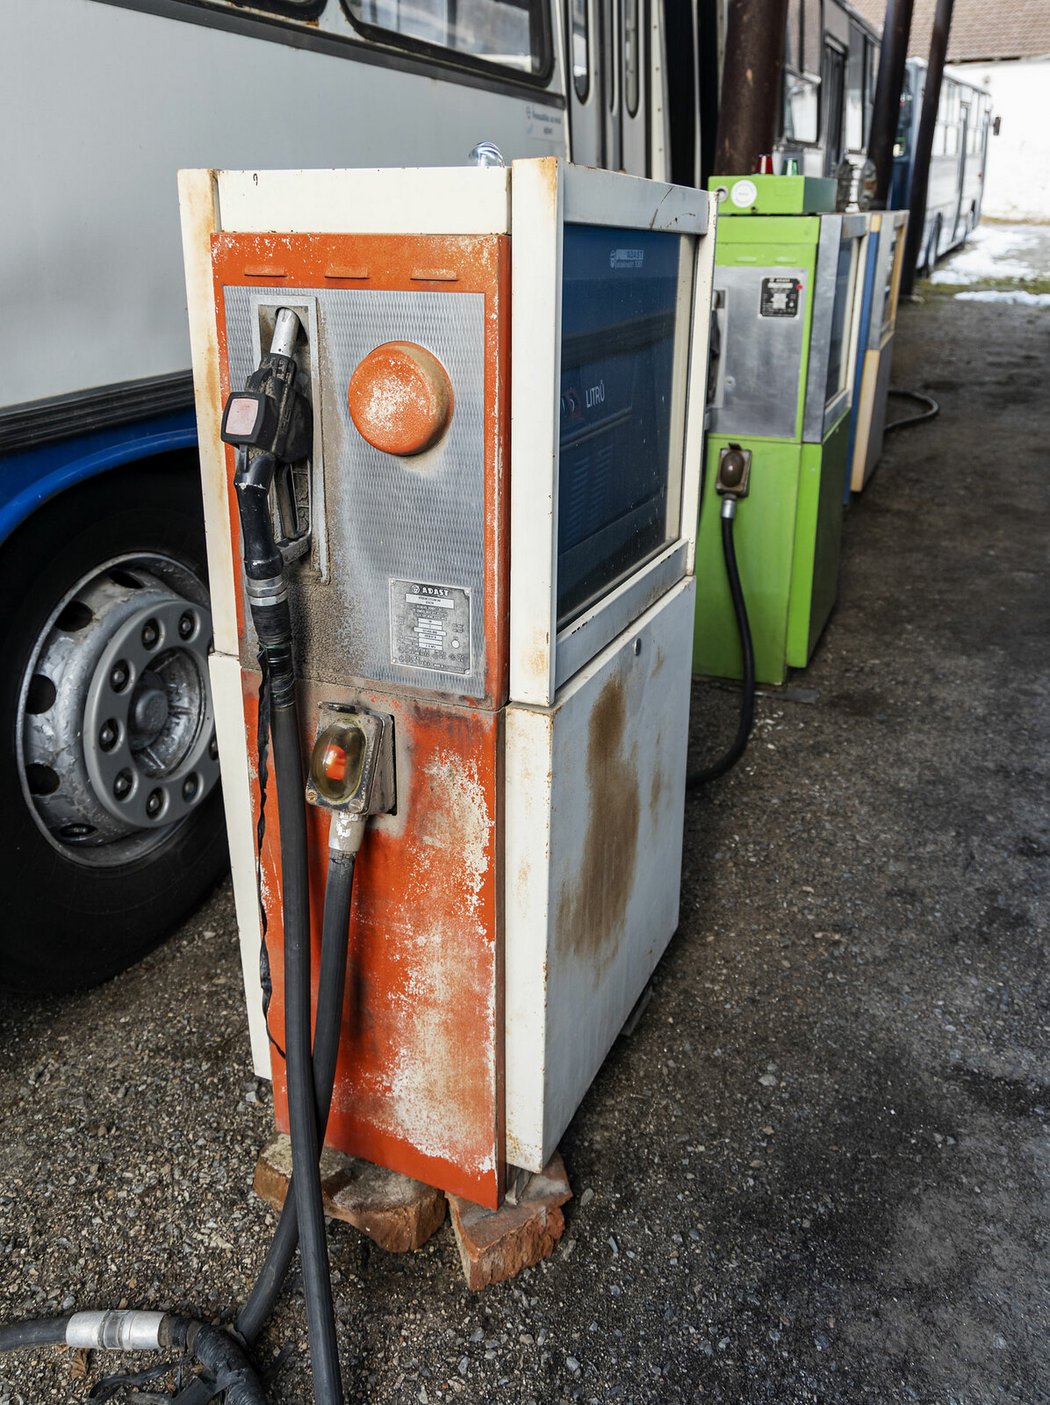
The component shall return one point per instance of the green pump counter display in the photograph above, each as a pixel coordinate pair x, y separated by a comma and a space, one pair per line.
786, 301
774, 195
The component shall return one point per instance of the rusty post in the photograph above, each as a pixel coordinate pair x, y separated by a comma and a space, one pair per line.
920, 176
749, 113
885, 116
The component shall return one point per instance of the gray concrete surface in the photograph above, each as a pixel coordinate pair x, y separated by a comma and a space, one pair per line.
818, 1170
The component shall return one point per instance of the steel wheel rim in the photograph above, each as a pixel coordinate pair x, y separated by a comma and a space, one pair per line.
115, 731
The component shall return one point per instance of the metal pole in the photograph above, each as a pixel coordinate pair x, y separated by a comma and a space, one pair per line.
709, 16
920, 176
685, 102
749, 114
885, 116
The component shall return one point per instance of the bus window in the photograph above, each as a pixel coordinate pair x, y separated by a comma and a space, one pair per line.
630, 55
293, 9
581, 57
801, 108
902, 145
812, 36
508, 32
871, 72
856, 132
793, 37
834, 87
801, 91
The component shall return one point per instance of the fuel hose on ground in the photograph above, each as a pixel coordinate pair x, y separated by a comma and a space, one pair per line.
746, 718
931, 411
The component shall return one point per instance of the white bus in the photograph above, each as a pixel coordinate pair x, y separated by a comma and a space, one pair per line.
831, 59
958, 158
112, 822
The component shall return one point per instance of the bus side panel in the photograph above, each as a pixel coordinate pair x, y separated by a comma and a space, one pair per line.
90, 262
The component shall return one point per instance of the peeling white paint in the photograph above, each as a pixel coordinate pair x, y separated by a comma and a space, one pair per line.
461, 824
434, 1093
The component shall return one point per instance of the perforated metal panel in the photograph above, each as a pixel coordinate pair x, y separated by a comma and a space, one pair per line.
419, 519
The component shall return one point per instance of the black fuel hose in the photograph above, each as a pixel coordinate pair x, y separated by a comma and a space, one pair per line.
41, 1331
268, 599
302, 1108
331, 986
931, 412
330, 992
224, 1359
747, 692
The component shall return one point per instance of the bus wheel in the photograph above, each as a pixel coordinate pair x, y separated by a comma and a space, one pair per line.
109, 776
932, 249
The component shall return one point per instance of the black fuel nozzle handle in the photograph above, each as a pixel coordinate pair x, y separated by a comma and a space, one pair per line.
269, 423
271, 414
252, 483
264, 569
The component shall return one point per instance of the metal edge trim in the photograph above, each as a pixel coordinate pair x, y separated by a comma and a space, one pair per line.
40, 422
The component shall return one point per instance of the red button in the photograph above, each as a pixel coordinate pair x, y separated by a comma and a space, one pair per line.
400, 398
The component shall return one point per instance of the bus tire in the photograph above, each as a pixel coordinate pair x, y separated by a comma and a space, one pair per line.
88, 888
933, 246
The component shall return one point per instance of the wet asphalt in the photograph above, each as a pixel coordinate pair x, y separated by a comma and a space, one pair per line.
818, 1169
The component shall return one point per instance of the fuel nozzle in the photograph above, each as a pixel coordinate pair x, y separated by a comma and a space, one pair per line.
269, 423
271, 414
351, 771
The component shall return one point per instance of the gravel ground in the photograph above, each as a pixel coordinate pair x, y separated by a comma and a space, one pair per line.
818, 1169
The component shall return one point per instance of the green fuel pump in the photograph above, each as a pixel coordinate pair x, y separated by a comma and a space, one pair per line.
787, 292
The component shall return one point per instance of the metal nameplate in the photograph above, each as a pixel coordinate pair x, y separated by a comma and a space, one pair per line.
430, 626
779, 297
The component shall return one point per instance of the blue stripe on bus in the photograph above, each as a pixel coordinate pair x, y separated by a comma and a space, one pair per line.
29, 479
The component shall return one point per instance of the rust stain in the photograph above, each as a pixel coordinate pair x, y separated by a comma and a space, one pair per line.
656, 791
591, 909
539, 654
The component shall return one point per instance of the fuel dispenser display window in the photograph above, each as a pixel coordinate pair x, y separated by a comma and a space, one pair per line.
617, 503
838, 361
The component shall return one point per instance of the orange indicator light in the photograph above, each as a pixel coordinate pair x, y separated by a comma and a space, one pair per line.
337, 762
333, 763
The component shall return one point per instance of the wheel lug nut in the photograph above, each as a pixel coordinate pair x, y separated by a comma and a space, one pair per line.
186, 625
118, 676
154, 801
190, 787
107, 736
150, 634
122, 785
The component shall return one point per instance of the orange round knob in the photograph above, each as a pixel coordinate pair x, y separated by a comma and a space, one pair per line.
400, 398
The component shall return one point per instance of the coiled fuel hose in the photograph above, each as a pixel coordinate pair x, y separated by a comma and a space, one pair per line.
746, 719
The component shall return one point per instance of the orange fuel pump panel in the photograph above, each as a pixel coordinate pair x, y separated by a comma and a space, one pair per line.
400, 398
446, 264
420, 1079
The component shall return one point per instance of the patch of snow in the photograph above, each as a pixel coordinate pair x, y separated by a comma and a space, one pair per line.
992, 253
1015, 295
